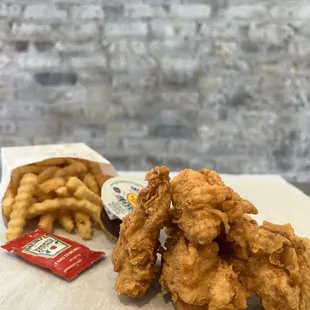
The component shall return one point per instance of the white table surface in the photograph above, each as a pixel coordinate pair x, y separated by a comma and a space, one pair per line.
24, 286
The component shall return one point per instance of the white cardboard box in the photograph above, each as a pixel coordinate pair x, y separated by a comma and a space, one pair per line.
14, 157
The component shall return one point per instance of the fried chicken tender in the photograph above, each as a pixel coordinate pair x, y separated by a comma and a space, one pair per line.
134, 256
248, 238
198, 278
273, 263
202, 202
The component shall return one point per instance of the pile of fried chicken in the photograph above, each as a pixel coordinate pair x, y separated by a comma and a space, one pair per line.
215, 256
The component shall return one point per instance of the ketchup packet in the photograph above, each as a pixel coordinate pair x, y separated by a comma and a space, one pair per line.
62, 256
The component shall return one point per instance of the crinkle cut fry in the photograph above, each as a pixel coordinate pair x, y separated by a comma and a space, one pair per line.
75, 168
18, 173
47, 221
52, 162
84, 192
23, 200
68, 204
47, 174
84, 225
90, 181
135, 253
65, 220
51, 185
73, 183
81, 191
8, 201
95, 169
62, 192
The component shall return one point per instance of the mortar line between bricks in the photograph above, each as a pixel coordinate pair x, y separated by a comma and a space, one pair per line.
239, 63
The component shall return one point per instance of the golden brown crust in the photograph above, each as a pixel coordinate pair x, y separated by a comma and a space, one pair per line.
202, 202
135, 253
197, 276
273, 263
216, 256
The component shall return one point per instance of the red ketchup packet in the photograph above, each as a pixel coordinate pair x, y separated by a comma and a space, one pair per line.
62, 256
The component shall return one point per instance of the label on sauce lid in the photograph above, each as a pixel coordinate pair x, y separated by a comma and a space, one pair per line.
119, 195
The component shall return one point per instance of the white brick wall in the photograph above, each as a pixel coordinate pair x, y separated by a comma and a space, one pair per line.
184, 83
126, 29
44, 12
191, 11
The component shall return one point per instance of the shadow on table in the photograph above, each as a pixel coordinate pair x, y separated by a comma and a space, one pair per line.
254, 304
154, 291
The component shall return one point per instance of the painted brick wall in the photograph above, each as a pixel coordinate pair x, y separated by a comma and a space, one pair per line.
222, 84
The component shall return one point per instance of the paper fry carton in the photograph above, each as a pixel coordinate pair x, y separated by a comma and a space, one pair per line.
14, 157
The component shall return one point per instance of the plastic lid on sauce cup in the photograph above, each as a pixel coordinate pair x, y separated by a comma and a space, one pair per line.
118, 195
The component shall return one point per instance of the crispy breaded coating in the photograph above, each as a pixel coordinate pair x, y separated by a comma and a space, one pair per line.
198, 278
135, 253
216, 255
202, 202
273, 263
